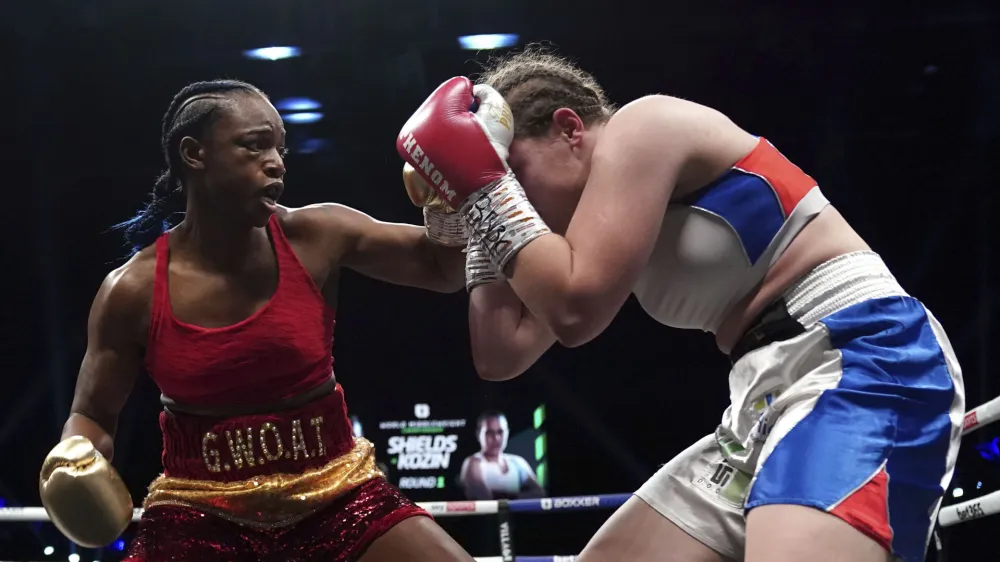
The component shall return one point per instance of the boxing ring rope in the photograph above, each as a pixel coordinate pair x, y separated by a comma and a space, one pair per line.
501, 508
948, 516
989, 504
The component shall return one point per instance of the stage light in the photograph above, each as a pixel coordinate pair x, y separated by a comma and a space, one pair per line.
48, 551
957, 493
73, 557
303, 117
979, 485
487, 42
273, 53
297, 104
3, 502
119, 545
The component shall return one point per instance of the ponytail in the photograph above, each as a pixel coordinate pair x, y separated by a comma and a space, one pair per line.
159, 215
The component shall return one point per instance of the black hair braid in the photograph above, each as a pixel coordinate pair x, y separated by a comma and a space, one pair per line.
190, 113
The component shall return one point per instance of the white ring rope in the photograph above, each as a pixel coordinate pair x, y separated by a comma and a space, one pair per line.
990, 503
983, 415
977, 508
437, 509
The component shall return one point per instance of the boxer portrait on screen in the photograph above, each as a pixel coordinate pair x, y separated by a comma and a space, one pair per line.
493, 474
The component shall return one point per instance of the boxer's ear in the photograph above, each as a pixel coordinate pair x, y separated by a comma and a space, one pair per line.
566, 123
192, 153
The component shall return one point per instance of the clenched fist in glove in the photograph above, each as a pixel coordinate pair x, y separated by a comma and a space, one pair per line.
458, 142
444, 225
83, 494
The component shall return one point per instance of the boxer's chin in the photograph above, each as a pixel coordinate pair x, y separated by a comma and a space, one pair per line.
261, 212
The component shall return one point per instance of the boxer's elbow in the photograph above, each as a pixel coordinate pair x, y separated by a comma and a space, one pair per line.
574, 321
496, 367
572, 331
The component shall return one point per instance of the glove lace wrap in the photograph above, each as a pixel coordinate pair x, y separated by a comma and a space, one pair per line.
479, 270
501, 216
446, 229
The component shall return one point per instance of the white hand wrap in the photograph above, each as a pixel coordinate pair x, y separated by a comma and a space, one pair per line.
446, 229
503, 218
479, 270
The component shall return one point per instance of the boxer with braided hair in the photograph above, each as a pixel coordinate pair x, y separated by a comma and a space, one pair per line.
231, 311
536, 83
189, 113
846, 397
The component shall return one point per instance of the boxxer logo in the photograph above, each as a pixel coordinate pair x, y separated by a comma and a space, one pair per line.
421, 162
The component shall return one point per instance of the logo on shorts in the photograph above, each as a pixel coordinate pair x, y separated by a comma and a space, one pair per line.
725, 483
723, 473
422, 411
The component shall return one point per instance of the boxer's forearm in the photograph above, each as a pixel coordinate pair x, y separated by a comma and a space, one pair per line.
81, 425
506, 338
450, 263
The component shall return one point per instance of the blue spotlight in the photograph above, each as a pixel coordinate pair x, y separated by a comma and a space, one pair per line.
489, 41
273, 53
302, 118
119, 545
297, 104
3, 502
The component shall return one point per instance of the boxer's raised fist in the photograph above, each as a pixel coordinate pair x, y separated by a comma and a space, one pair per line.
458, 139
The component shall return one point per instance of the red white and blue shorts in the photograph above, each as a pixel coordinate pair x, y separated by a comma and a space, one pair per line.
858, 415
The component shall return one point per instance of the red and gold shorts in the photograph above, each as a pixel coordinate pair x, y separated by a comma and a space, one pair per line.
289, 486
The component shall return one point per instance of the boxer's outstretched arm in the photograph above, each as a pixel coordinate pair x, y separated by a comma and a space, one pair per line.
396, 253
112, 361
506, 337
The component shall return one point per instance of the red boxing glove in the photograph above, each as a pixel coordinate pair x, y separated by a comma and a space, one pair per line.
457, 140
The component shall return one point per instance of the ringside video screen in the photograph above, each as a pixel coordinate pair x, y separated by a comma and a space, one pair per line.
445, 452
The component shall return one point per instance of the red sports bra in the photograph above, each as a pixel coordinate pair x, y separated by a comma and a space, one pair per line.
280, 351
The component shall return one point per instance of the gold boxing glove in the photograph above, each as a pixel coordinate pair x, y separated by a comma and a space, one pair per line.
83, 494
444, 225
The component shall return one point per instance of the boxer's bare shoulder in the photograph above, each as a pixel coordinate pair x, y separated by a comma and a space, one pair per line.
707, 141
126, 295
323, 228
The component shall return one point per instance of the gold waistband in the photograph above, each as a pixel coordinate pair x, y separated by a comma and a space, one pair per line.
273, 500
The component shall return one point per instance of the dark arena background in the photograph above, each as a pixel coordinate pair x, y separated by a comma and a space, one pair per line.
894, 108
